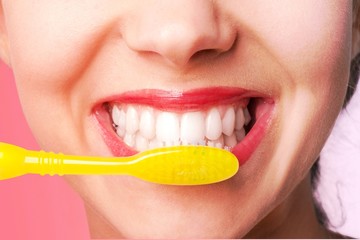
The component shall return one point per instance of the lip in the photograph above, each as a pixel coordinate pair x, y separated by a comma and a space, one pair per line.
244, 149
180, 101
175, 101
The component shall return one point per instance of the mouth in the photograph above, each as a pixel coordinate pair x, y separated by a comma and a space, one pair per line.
230, 118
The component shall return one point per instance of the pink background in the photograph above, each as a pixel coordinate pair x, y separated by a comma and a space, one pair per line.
34, 207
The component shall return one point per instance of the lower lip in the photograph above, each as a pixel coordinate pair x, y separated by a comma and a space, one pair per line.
243, 150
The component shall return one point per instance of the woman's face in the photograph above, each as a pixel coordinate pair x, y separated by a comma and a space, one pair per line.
115, 77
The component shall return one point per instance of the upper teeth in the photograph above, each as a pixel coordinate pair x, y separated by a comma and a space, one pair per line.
142, 127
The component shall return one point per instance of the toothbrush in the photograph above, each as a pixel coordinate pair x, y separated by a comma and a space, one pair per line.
177, 165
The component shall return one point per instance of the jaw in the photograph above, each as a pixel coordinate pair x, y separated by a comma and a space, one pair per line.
260, 179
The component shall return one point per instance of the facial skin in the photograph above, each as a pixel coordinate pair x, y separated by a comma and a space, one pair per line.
68, 55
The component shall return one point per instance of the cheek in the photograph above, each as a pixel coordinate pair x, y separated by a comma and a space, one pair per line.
50, 43
309, 40
50, 49
314, 51
312, 43
316, 55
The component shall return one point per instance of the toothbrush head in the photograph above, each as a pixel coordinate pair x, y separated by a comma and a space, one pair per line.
186, 165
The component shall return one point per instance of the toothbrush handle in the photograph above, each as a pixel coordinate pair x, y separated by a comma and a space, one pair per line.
40, 162
16, 161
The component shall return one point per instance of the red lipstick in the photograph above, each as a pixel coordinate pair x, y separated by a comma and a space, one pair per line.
176, 101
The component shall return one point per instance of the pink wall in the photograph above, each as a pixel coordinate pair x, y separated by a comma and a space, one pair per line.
33, 207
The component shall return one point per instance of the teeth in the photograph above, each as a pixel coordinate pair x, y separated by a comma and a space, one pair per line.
240, 134
147, 124
129, 139
230, 141
193, 127
171, 143
155, 143
115, 114
240, 119
119, 118
247, 116
120, 131
142, 127
167, 127
213, 124
228, 122
219, 143
141, 143
132, 120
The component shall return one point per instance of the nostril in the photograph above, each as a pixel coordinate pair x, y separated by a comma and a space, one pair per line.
205, 54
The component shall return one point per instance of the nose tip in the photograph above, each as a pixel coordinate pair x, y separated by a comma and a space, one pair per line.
181, 30
178, 43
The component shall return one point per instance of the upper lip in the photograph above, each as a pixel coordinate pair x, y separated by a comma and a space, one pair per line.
195, 99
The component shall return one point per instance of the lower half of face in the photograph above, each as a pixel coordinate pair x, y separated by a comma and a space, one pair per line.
265, 81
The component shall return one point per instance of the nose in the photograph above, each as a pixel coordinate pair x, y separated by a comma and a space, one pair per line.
178, 30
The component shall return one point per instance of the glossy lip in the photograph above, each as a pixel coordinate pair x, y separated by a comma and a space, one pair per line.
177, 101
244, 149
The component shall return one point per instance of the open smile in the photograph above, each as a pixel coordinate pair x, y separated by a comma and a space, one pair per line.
222, 117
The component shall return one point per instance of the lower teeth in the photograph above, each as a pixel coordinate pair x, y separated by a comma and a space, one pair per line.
141, 144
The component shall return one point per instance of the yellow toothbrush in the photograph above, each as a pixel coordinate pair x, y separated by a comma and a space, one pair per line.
178, 165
